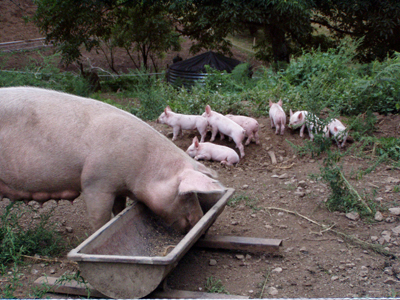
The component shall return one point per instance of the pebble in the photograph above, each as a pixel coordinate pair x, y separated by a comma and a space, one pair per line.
212, 262
283, 176
353, 216
239, 256
395, 211
390, 280
277, 270
272, 291
378, 216
396, 230
69, 229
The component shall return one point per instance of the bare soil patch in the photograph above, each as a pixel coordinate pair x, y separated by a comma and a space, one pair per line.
313, 262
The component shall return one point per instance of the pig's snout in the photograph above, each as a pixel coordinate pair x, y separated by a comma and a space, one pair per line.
186, 223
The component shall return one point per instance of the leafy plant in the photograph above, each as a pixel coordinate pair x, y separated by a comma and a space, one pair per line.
16, 240
215, 286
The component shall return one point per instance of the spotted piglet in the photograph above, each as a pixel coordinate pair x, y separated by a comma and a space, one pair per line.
338, 132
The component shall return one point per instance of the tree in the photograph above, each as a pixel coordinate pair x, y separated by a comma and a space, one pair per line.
282, 22
377, 23
142, 28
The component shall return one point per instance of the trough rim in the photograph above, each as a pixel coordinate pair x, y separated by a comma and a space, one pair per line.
180, 249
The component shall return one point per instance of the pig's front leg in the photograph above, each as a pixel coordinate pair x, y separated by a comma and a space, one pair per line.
302, 130
221, 136
272, 122
176, 131
203, 156
214, 131
99, 206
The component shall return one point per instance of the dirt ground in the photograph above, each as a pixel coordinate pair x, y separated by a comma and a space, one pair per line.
279, 201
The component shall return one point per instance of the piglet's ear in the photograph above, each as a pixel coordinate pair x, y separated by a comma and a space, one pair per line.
196, 142
192, 181
300, 115
335, 129
208, 109
166, 111
270, 103
280, 102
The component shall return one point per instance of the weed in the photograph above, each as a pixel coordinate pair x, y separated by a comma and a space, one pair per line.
215, 286
249, 202
32, 239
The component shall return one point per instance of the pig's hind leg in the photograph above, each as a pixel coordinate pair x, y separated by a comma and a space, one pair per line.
99, 206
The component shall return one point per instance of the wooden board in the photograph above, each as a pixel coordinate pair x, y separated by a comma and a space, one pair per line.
240, 243
74, 288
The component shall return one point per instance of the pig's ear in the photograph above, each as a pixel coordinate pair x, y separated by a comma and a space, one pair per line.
291, 113
280, 102
168, 108
192, 181
166, 111
208, 109
300, 115
270, 103
209, 172
335, 129
196, 142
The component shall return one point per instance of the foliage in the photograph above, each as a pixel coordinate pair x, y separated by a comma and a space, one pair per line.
343, 196
32, 239
141, 28
215, 286
378, 22
45, 74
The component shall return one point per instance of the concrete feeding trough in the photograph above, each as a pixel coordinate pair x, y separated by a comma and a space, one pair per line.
131, 255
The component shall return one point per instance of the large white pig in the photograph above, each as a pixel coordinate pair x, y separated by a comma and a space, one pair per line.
57, 146
210, 151
180, 122
277, 116
338, 132
225, 126
250, 125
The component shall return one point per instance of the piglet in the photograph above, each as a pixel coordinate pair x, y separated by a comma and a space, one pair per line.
304, 118
225, 126
210, 151
277, 116
180, 122
338, 132
250, 125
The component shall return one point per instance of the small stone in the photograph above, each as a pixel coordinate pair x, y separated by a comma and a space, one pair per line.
69, 229
277, 270
390, 219
390, 280
212, 262
272, 291
239, 256
353, 216
34, 272
302, 184
303, 249
52, 271
300, 194
378, 216
395, 211
245, 187
334, 278
248, 256
234, 222
396, 230
283, 176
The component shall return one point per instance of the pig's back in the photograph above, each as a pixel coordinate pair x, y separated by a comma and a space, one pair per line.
47, 137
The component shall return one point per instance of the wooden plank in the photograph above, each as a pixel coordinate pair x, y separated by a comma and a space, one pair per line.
239, 243
70, 287
180, 294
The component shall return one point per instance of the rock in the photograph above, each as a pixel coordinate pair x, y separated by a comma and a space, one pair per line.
378, 216
272, 291
34, 272
299, 193
353, 216
395, 211
302, 184
334, 278
374, 238
52, 271
277, 270
283, 176
212, 262
239, 256
69, 229
245, 187
390, 280
396, 230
